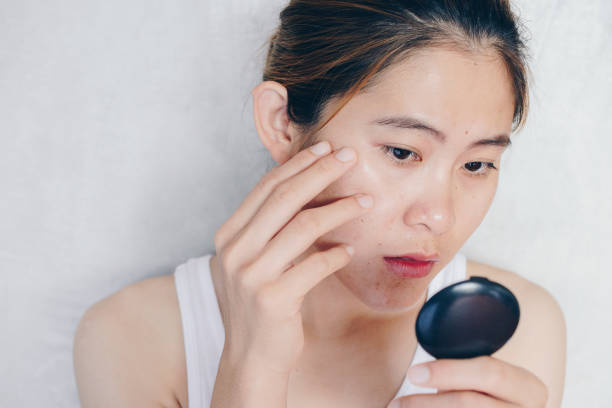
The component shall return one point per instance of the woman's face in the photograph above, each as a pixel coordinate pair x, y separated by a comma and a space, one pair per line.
429, 194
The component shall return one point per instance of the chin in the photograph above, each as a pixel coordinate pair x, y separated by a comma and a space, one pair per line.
398, 305
394, 297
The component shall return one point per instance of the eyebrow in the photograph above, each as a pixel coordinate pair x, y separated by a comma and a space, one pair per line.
404, 122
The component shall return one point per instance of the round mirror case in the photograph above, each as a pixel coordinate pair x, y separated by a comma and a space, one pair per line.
471, 318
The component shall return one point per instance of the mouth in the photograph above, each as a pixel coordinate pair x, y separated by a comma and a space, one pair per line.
414, 266
417, 257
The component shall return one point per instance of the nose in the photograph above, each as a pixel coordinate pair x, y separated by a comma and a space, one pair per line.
433, 207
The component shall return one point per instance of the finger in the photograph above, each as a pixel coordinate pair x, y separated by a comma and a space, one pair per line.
301, 278
455, 399
264, 187
301, 233
485, 374
287, 200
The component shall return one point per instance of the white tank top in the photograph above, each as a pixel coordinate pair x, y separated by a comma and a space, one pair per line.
205, 336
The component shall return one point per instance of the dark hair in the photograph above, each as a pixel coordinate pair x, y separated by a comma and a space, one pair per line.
326, 49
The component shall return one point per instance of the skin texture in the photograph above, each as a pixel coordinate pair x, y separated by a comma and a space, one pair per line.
431, 204
359, 321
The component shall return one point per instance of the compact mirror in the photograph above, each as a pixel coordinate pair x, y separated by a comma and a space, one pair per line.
471, 318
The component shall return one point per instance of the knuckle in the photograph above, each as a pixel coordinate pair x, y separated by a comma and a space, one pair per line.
282, 192
268, 181
224, 259
219, 239
307, 221
228, 258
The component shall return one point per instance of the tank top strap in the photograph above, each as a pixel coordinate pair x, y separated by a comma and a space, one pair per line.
203, 332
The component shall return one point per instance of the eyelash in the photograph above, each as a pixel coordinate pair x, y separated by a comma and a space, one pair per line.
388, 150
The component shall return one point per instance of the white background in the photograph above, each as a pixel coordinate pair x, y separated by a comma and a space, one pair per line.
126, 139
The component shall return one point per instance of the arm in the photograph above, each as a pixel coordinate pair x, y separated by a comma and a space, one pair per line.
122, 353
126, 354
539, 344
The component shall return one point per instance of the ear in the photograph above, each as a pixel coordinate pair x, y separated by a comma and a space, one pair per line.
272, 122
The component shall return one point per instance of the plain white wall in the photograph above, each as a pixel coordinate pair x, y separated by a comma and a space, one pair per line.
126, 139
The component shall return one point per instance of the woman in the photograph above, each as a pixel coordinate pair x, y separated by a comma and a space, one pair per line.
388, 120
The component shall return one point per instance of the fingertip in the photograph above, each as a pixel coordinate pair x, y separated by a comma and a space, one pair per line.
346, 154
419, 374
321, 148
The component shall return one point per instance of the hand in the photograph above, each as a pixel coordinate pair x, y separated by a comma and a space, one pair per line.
475, 382
256, 247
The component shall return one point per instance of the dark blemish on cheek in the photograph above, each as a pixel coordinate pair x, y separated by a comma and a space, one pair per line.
466, 132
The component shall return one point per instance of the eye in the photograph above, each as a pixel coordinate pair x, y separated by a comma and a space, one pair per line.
479, 169
399, 156
403, 157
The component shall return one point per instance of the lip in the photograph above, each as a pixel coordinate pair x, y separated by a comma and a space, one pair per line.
418, 257
408, 268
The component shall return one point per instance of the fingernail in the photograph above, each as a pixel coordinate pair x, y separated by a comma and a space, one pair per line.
365, 201
320, 148
394, 404
345, 154
418, 374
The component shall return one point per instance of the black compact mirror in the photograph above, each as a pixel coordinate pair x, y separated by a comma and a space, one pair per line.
471, 318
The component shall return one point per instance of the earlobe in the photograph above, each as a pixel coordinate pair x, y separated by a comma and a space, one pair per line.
271, 119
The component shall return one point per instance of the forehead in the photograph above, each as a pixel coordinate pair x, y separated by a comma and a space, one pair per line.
450, 89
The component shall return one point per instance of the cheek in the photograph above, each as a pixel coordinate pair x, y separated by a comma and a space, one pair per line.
474, 203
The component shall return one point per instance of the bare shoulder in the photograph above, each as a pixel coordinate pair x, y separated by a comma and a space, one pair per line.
128, 348
539, 343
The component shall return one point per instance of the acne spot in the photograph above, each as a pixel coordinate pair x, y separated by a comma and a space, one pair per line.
466, 132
